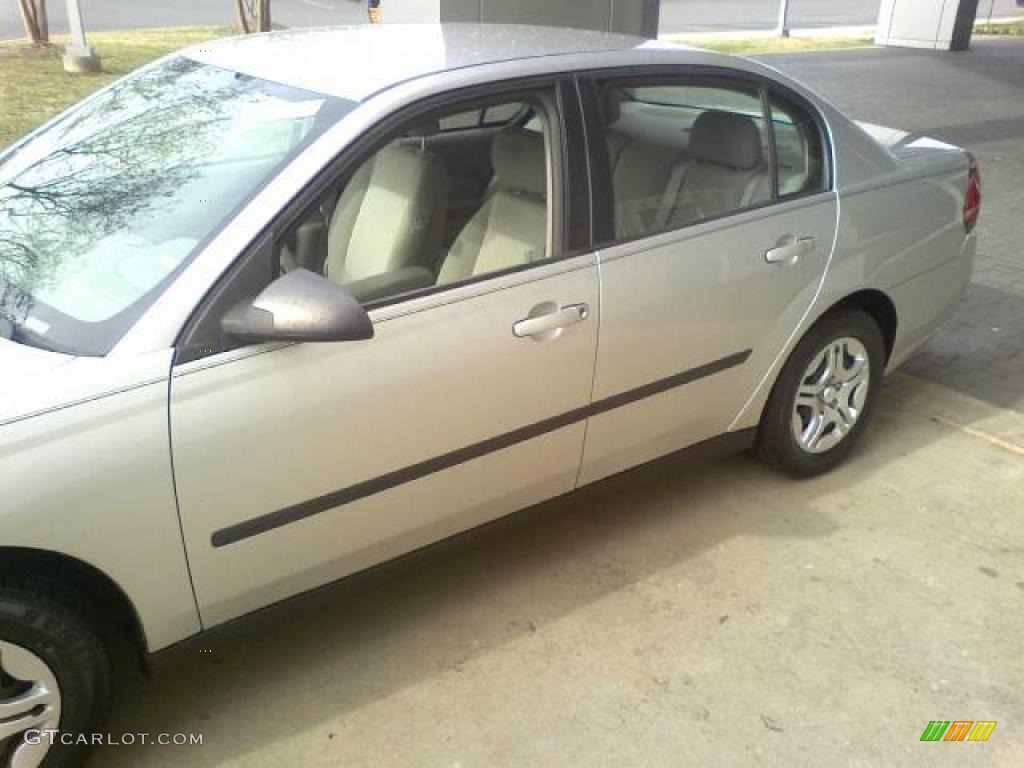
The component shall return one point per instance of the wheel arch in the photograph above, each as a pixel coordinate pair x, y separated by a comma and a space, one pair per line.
105, 601
876, 303
880, 308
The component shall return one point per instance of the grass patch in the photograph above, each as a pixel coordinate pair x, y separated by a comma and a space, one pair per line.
1014, 28
34, 86
772, 44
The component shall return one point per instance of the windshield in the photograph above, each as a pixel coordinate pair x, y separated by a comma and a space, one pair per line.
103, 208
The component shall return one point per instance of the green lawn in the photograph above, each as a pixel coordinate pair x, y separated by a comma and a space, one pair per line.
33, 88
1013, 28
772, 44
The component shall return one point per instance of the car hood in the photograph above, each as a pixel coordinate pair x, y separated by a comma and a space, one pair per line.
35, 381
24, 369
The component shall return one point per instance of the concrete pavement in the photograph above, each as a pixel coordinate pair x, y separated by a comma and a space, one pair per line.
708, 614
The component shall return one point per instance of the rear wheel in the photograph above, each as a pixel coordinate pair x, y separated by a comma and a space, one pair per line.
824, 396
54, 677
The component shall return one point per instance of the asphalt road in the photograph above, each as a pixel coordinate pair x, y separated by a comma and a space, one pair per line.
676, 15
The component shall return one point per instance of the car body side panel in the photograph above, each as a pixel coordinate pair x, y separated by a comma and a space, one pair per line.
679, 301
90, 477
901, 234
432, 399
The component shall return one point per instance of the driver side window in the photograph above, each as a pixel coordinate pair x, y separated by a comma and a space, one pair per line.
439, 204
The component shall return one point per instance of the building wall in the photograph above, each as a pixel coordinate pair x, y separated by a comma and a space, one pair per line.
636, 17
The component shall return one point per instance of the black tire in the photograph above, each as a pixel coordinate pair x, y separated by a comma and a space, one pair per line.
34, 617
776, 445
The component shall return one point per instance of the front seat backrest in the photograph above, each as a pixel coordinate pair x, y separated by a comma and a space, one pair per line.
389, 216
511, 227
726, 172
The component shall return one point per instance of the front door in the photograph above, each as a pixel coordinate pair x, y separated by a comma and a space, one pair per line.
298, 464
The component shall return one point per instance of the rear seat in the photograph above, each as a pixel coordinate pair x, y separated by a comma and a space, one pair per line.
659, 186
726, 170
641, 170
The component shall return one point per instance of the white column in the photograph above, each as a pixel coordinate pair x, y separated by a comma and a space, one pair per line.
920, 23
78, 54
783, 25
411, 11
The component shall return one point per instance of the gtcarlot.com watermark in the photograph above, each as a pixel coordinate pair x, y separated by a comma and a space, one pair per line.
53, 737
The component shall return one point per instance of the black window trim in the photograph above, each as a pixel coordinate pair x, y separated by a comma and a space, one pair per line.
570, 208
588, 84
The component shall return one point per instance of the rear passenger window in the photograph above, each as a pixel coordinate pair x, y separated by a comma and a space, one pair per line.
798, 149
684, 153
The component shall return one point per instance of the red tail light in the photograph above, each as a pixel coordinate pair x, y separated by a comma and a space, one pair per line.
972, 198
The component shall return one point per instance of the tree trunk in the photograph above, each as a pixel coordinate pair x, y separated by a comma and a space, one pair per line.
243, 17
33, 16
263, 15
42, 21
253, 15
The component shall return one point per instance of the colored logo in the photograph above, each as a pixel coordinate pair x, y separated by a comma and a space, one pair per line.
958, 730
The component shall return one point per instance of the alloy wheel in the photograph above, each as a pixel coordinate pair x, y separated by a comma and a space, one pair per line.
29, 701
831, 396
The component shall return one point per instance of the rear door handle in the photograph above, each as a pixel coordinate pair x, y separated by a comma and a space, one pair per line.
789, 249
538, 324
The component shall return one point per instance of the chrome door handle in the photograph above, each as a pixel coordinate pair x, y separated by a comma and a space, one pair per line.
539, 324
789, 249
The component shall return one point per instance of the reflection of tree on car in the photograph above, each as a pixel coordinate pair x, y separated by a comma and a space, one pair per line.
96, 201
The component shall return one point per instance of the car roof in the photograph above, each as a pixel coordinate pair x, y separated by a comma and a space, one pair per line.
358, 61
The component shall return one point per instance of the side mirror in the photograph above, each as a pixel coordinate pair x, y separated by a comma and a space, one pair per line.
299, 306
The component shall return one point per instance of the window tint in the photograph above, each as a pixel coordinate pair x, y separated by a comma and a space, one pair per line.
460, 121
798, 149
488, 117
431, 208
683, 153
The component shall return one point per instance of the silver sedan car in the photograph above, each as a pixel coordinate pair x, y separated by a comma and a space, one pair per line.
278, 309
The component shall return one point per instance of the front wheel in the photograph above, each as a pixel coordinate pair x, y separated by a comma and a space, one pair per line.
824, 396
54, 679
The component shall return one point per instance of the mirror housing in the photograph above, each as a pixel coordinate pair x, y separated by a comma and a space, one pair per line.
299, 306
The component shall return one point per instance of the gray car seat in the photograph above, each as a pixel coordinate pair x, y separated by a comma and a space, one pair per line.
389, 216
725, 170
511, 227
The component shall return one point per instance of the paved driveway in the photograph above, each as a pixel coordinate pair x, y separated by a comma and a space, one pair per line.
711, 614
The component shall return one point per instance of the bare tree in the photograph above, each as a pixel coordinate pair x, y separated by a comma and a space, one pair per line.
253, 15
33, 15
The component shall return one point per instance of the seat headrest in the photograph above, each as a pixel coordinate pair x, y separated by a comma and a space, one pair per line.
519, 161
725, 138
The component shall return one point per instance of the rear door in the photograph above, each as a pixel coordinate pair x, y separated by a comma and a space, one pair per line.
722, 220
297, 464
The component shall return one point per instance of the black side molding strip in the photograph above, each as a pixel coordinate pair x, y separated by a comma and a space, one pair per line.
268, 522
